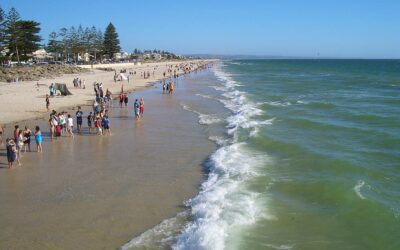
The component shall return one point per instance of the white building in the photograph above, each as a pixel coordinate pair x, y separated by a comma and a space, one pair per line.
122, 55
41, 55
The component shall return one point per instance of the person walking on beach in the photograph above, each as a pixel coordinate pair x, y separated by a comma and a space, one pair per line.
171, 87
63, 120
106, 125
97, 125
16, 132
20, 143
47, 102
52, 128
121, 99
141, 107
137, 108
79, 118
70, 126
89, 121
27, 133
51, 90
38, 139
11, 152
126, 99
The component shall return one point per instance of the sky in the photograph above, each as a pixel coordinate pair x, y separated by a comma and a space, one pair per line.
294, 28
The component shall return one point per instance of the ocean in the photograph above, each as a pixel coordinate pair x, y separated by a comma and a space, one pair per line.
308, 157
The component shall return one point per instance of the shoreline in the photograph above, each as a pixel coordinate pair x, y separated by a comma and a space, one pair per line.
124, 197
18, 98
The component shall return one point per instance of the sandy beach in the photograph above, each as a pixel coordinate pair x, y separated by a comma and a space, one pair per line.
24, 100
97, 192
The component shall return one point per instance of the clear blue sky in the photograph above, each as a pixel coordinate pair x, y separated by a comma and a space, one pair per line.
328, 28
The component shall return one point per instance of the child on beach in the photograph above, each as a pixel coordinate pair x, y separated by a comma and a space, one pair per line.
47, 102
121, 99
70, 126
89, 121
58, 130
63, 121
98, 125
38, 139
137, 109
141, 107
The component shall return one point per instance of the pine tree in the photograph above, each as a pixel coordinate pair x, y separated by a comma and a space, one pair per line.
28, 39
3, 25
12, 34
98, 43
111, 41
54, 45
73, 42
65, 44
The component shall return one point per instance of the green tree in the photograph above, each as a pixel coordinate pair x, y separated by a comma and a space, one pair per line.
64, 43
12, 34
28, 39
111, 41
54, 45
73, 42
3, 25
97, 42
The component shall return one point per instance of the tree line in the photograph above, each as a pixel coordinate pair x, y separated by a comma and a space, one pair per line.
20, 38
68, 44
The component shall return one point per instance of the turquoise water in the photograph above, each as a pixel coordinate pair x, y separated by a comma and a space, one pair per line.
308, 158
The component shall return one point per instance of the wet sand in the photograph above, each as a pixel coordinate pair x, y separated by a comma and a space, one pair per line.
97, 192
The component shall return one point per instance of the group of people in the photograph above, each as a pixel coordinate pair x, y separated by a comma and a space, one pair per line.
168, 87
139, 108
79, 83
21, 141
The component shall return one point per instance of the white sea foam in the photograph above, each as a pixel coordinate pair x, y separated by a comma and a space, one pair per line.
219, 88
207, 96
279, 104
218, 140
224, 202
357, 188
160, 236
280, 247
204, 119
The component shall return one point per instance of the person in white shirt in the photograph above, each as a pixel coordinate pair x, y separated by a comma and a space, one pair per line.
70, 125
